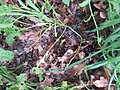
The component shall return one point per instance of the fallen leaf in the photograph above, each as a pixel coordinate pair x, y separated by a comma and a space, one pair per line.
35, 1
103, 15
66, 56
41, 50
79, 68
41, 24
81, 55
33, 19
100, 5
101, 83
66, 21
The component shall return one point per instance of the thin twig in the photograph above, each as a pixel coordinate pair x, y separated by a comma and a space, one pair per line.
71, 29
42, 60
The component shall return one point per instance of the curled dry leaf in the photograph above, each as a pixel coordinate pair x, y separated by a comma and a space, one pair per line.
81, 55
6, 1
41, 24
79, 68
103, 15
33, 19
41, 50
28, 36
65, 20
92, 78
101, 83
35, 1
66, 56
100, 5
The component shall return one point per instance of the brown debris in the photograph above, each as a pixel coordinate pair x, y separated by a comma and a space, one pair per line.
101, 83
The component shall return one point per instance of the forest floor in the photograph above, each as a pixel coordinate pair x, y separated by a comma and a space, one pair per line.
55, 52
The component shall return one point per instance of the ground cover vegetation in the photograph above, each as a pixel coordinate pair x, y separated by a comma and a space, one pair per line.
59, 44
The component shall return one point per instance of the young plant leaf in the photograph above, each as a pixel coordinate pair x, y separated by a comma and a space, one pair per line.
67, 2
22, 78
5, 25
6, 55
84, 3
39, 72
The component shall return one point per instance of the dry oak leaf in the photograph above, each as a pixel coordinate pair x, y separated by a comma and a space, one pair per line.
101, 83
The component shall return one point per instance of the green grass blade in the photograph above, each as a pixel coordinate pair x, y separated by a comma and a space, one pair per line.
32, 5
96, 65
16, 14
22, 4
111, 38
117, 30
102, 63
80, 61
113, 75
106, 24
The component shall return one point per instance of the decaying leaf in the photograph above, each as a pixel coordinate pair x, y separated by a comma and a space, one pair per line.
103, 15
35, 1
66, 56
101, 83
81, 55
101, 7
79, 68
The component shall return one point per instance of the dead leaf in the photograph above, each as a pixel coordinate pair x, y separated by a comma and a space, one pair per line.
41, 50
101, 83
81, 55
66, 56
100, 5
66, 21
35, 1
41, 24
79, 68
103, 15
102, 8
6, 1
34, 19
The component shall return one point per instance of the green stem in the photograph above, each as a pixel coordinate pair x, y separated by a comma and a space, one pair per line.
91, 12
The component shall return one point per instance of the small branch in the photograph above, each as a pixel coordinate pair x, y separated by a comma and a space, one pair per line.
42, 60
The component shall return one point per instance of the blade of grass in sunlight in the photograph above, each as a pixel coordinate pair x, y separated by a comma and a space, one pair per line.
80, 61
22, 4
102, 63
106, 24
32, 5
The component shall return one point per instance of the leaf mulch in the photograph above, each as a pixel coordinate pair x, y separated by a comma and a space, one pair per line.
30, 47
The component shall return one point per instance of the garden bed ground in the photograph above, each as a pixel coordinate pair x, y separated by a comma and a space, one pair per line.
55, 49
